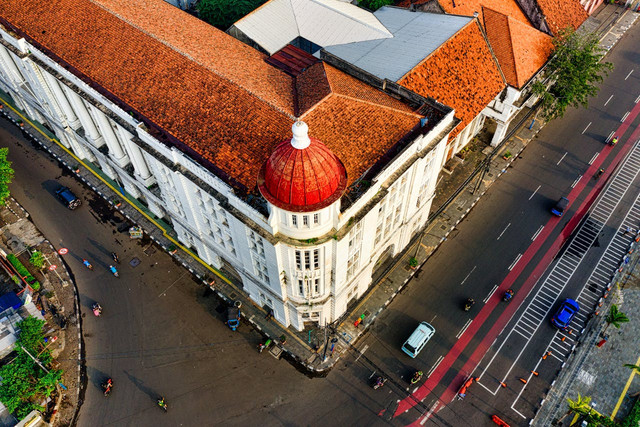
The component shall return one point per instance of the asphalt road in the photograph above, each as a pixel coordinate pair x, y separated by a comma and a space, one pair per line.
478, 255
162, 335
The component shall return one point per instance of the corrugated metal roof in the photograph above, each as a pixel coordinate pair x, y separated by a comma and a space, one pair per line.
415, 36
323, 22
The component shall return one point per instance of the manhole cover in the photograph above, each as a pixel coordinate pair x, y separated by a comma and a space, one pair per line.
150, 250
233, 296
444, 227
134, 262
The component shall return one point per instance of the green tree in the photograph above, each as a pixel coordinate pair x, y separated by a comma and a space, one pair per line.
24, 383
30, 336
571, 74
615, 317
635, 368
37, 259
582, 406
374, 5
223, 13
6, 175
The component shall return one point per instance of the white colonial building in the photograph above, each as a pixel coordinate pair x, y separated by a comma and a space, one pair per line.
291, 174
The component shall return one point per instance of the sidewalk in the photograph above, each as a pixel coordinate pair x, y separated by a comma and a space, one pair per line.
456, 195
599, 372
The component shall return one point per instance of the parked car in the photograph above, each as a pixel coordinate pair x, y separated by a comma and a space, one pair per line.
565, 313
560, 206
67, 197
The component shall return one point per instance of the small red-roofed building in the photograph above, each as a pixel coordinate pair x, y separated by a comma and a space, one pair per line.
291, 174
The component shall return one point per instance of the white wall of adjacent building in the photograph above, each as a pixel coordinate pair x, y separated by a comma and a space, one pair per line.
307, 267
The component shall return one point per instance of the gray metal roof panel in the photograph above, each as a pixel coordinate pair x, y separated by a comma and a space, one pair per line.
415, 36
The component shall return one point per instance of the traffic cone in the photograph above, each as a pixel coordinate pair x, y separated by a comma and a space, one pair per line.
534, 373
503, 384
523, 380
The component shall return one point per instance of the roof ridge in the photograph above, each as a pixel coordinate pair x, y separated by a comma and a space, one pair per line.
364, 101
321, 2
193, 59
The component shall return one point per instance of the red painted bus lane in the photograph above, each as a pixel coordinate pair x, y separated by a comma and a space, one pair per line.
457, 349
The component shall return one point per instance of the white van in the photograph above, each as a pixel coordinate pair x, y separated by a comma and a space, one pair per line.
418, 339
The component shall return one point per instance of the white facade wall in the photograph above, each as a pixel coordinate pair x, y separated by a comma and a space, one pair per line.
306, 267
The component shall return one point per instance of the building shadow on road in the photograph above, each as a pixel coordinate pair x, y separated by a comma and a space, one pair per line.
153, 395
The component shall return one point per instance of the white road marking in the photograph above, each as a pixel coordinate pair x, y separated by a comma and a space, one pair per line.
362, 352
513, 264
628, 75
605, 104
595, 156
465, 279
534, 193
585, 129
637, 99
495, 288
464, 328
625, 116
505, 229
561, 158
576, 181
426, 417
435, 366
537, 233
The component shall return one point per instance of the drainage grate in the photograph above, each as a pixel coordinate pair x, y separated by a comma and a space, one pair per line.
134, 262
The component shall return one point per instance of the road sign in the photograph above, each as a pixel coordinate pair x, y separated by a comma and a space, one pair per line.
63, 251
52, 267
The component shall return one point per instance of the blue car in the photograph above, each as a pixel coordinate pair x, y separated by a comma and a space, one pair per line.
560, 207
565, 314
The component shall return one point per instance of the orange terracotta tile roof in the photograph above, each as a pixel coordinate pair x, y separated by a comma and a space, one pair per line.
561, 14
521, 49
206, 89
469, 7
461, 73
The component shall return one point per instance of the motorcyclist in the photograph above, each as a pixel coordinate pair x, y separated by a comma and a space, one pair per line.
115, 257
379, 382
162, 403
113, 270
599, 173
107, 386
469, 304
416, 377
508, 294
97, 309
87, 264
614, 140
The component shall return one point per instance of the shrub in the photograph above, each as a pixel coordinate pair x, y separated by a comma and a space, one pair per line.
22, 271
37, 259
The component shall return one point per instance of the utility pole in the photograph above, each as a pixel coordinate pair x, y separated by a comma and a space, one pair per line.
40, 364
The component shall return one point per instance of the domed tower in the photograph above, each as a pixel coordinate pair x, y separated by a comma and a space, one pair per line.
304, 178
303, 181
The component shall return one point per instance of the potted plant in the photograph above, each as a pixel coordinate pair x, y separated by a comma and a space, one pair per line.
413, 263
507, 155
172, 249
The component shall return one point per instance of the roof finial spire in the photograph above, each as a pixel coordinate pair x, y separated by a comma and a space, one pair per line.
300, 138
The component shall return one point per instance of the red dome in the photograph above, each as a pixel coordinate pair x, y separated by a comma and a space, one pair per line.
302, 174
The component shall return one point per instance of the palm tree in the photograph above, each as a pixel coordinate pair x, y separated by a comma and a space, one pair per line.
582, 406
615, 318
635, 368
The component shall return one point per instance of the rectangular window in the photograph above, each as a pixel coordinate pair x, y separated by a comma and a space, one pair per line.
298, 260
316, 259
305, 220
316, 286
294, 220
300, 287
307, 260
316, 218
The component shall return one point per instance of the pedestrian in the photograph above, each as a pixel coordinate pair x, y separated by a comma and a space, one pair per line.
627, 230
269, 315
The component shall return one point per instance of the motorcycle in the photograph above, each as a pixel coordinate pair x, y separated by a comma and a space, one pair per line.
87, 264
97, 309
379, 383
162, 403
508, 294
469, 304
613, 141
599, 173
114, 271
416, 377
107, 387
115, 257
